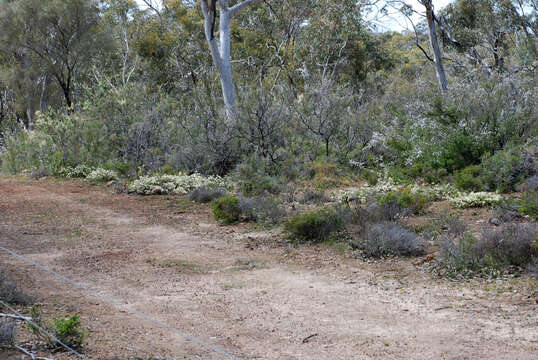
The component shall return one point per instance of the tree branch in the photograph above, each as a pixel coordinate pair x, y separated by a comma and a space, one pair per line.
237, 7
24, 318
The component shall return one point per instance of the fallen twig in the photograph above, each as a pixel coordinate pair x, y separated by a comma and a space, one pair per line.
33, 356
25, 318
307, 339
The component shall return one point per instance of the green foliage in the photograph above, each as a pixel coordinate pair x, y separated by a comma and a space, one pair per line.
255, 178
68, 330
506, 168
528, 204
406, 200
315, 226
496, 250
227, 210
326, 175
469, 178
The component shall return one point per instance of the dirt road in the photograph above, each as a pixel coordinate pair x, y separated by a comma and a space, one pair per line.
243, 290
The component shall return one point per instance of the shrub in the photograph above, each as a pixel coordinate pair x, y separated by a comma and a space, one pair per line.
506, 168
101, 175
255, 177
10, 292
68, 330
262, 210
175, 184
404, 201
528, 204
390, 239
314, 226
370, 176
204, 194
7, 332
326, 175
227, 210
476, 199
511, 245
313, 196
469, 178
80, 171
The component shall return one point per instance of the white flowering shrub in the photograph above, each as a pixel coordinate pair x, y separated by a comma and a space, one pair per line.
80, 171
476, 199
175, 184
101, 175
432, 192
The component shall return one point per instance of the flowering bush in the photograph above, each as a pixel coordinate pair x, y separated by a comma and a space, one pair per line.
175, 184
101, 175
387, 185
80, 171
476, 199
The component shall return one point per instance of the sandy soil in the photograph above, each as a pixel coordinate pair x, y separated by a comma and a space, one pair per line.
241, 289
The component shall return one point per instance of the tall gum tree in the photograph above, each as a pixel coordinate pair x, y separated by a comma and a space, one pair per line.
220, 48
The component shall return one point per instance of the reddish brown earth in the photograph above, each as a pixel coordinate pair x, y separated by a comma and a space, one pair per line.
242, 290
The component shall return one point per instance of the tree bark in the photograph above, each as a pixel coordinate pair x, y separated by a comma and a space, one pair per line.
220, 52
437, 58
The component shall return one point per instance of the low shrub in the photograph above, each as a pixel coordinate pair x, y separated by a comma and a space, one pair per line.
68, 330
7, 332
204, 194
404, 200
11, 293
314, 226
528, 205
390, 239
511, 245
176, 184
326, 175
255, 178
227, 209
476, 199
370, 176
101, 175
261, 210
469, 178
79, 171
313, 197
507, 168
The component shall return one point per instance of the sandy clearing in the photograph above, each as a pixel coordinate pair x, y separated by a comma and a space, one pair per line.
242, 291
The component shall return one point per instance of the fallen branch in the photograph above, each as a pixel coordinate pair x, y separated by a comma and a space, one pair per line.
24, 318
33, 356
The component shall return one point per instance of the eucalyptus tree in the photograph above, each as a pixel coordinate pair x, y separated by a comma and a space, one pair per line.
221, 49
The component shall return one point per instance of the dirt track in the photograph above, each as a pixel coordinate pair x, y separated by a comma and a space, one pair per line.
244, 291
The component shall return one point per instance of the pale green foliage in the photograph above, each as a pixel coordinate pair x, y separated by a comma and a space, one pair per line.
387, 185
476, 199
79, 171
101, 175
175, 184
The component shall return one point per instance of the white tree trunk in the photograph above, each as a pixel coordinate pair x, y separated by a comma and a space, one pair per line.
438, 60
220, 52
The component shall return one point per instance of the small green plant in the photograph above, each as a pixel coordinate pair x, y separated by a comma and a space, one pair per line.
68, 330
314, 226
370, 176
101, 175
227, 210
406, 200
